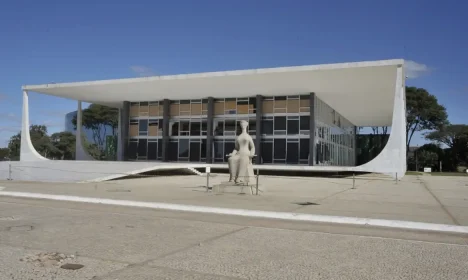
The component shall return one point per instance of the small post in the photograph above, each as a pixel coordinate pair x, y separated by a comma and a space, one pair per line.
354, 181
396, 178
207, 171
9, 171
256, 192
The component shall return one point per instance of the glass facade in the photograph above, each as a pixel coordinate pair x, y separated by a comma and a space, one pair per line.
228, 113
334, 137
285, 130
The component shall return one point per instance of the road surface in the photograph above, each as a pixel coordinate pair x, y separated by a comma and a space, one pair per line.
131, 243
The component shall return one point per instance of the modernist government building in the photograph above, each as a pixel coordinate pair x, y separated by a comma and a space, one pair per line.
285, 129
300, 118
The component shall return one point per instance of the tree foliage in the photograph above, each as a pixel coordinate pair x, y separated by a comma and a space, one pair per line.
455, 136
423, 112
64, 142
98, 119
4, 154
41, 141
14, 145
60, 145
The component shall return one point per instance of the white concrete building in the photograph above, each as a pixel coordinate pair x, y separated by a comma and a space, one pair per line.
301, 118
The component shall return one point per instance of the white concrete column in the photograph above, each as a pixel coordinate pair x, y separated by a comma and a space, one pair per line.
27, 150
80, 152
392, 159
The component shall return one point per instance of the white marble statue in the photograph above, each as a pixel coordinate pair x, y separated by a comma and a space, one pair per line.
240, 160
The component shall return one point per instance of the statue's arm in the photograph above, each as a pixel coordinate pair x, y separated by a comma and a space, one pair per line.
252, 147
234, 152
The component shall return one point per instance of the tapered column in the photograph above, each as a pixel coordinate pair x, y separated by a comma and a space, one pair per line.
80, 152
165, 138
258, 131
312, 150
209, 132
27, 150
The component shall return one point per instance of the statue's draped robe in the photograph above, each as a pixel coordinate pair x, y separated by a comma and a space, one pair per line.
240, 162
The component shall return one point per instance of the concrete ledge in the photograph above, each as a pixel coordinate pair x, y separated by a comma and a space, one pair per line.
249, 213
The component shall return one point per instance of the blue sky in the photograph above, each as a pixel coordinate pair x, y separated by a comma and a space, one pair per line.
63, 41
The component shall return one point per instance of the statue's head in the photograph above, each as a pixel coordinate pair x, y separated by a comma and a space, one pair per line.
244, 124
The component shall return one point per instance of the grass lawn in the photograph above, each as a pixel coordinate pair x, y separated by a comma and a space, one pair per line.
413, 173
435, 173
448, 174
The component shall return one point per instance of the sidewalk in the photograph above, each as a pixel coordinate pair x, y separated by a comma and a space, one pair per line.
440, 200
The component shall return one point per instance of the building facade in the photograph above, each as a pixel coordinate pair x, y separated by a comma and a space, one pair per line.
302, 118
293, 129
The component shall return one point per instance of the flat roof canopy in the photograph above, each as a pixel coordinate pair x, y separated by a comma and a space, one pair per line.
363, 92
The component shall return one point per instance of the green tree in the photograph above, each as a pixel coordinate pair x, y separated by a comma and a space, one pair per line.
64, 142
99, 119
423, 112
59, 146
4, 153
427, 155
14, 145
455, 136
41, 141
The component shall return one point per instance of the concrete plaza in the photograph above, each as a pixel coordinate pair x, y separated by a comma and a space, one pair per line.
115, 242
430, 199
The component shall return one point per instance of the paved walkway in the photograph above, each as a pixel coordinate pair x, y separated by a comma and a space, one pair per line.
430, 199
140, 244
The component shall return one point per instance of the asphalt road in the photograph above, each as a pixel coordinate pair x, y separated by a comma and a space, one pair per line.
131, 243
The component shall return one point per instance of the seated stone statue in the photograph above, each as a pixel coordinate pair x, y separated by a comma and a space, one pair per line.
240, 160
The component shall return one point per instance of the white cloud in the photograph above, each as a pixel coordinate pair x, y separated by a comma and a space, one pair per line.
142, 71
414, 70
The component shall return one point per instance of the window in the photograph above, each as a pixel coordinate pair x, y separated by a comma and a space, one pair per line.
252, 126
195, 128
219, 127
184, 127
304, 122
230, 127
195, 151
152, 150
142, 148
132, 150
204, 127
293, 127
219, 150
304, 150
279, 150
173, 150
175, 129
267, 152
280, 123
293, 153
203, 150
143, 128
267, 126
183, 148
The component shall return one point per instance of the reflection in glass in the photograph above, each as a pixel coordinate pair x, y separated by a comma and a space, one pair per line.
183, 148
